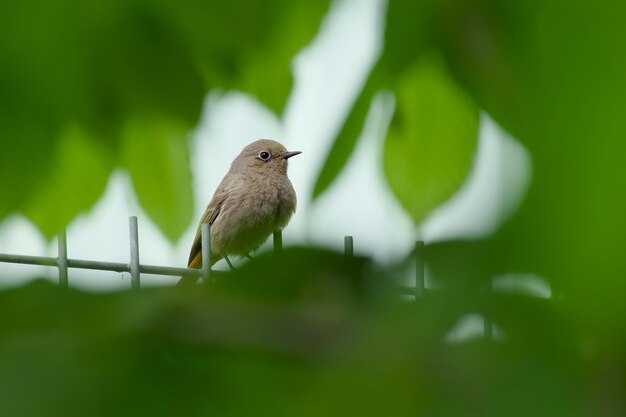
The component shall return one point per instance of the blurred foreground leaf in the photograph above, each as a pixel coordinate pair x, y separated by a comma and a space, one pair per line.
552, 74
303, 334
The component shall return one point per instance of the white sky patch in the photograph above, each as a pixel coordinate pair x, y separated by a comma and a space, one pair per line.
19, 236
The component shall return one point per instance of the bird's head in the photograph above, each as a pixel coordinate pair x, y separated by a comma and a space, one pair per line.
265, 155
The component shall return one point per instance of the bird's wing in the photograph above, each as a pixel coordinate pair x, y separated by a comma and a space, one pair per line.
209, 216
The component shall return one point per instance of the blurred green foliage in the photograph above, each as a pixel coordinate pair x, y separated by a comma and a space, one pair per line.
164, 184
109, 69
432, 139
337, 340
313, 333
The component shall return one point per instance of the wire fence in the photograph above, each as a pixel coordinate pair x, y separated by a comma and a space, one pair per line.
135, 268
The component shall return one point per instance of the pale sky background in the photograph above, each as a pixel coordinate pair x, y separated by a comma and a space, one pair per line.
328, 75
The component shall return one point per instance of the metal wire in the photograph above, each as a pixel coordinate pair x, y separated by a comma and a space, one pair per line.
99, 265
62, 259
135, 274
135, 268
277, 238
348, 246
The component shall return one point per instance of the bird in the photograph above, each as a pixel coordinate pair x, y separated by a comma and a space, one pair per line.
254, 199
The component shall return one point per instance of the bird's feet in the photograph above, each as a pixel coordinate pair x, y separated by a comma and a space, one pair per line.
230, 264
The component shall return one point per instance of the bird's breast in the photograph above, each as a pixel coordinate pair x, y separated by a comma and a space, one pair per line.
252, 212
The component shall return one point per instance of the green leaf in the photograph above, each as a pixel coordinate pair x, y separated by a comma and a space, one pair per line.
156, 154
346, 139
407, 22
432, 137
552, 73
407, 34
294, 25
99, 67
323, 334
25, 161
247, 45
78, 177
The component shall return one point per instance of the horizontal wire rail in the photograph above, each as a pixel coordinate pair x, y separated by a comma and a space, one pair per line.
135, 268
62, 262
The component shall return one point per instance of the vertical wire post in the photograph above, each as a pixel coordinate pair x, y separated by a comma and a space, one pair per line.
62, 258
348, 246
134, 253
205, 231
420, 267
278, 241
487, 318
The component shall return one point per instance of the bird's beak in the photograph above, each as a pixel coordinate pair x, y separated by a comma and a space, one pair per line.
288, 155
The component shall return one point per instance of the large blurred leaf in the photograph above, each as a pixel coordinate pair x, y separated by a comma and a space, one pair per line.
553, 75
248, 45
79, 175
432, 137
304, 334
156, 154
100, 66
408, 34
24, 160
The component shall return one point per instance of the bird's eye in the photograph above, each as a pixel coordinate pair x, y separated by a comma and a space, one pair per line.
264, 155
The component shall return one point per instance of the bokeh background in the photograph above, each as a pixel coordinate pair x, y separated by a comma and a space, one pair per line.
493, 131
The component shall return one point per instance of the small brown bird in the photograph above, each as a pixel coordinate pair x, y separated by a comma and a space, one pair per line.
254, 199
